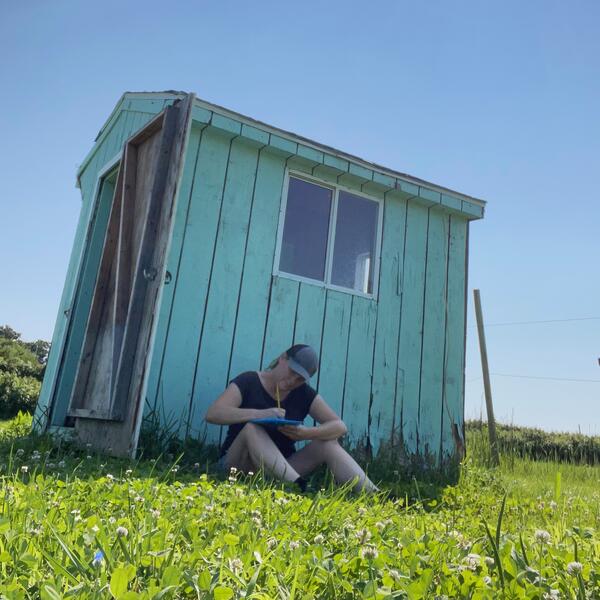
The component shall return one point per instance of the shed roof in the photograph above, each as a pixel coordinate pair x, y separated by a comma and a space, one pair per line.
423, 188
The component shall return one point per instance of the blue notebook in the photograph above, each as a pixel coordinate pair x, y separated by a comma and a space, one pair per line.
273, 422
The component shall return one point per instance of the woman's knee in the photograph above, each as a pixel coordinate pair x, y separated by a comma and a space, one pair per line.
327, 446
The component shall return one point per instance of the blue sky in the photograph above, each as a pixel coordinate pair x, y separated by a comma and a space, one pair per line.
496, 100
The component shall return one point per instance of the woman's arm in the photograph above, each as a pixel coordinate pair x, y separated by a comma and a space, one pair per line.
331, 427
225, 410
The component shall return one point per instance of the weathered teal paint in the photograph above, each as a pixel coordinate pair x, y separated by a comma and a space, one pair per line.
392, 366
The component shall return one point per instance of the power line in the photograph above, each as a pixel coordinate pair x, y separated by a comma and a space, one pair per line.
546, 321
536, 377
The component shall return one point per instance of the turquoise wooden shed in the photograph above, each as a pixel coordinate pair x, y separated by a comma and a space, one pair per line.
209, 242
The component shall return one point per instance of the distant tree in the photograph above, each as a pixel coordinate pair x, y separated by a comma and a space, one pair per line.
9, 333
22, 366
40, 348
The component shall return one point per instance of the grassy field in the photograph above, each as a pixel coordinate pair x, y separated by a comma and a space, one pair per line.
79, 525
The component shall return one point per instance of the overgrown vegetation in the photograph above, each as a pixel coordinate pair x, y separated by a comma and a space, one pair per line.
22, 367
536, 444
76, 524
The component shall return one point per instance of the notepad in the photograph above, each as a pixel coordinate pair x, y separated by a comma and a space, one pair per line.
273, 422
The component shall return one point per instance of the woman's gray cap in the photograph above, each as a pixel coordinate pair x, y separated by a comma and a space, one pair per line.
303, 360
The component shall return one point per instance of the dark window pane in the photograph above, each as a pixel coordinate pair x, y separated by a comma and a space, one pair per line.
305, 231
355, 238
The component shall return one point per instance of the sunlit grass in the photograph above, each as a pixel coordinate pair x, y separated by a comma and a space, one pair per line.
74, 523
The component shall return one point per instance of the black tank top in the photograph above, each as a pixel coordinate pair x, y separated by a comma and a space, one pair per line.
296, 404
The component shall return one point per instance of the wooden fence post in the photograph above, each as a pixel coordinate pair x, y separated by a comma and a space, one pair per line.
486, 381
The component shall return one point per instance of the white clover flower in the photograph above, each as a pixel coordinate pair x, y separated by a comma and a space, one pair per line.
362, 511
88, 457
542, 536
110, 477
197, 466
175, 469
472, 561
232, 470
20, 452
155, 513
369, 552
257, 521
239, 492
363, 535
112, 520
271, 543
293, 545
128, 472
489, 561
487, 580
380, 526
319, 539
122, 531
95, 528
463, 544
24, 469
574, 568
553, 505
235, 565
250, 473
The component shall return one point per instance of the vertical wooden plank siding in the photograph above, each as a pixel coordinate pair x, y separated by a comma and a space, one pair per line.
411, 324
359, 368
385, 359
334, 349
434, 326
173, 262
454, 360
309, 316
176, 379
226, 276
279, 333
256, 275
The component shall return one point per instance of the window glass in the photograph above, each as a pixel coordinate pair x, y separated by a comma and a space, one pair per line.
306, 228
355, 238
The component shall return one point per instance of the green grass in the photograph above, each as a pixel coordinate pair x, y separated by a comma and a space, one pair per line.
74, 524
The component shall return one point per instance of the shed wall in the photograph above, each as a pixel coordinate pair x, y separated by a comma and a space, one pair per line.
393, 368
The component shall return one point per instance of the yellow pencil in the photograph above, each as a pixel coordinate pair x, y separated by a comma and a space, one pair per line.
277, 395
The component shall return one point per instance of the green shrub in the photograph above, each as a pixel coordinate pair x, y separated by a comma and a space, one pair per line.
17, 393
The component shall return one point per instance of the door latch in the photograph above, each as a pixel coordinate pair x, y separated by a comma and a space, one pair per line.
149, 274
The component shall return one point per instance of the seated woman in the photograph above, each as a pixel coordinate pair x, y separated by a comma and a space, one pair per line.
282, 390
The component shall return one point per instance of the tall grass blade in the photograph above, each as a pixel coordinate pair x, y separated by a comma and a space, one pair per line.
496, 552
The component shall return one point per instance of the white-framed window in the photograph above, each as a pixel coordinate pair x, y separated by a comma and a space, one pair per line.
329, 235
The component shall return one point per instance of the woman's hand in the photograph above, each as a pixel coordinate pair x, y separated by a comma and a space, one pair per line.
296, 433
271, 413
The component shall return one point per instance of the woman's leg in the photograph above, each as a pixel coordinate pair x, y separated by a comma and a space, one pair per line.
253, 449
341, 464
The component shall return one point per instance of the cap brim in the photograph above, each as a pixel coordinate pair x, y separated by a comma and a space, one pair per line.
298, 368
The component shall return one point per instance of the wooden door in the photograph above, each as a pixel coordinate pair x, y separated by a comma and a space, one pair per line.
106, 401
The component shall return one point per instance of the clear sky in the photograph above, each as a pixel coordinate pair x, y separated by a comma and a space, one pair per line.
499, 100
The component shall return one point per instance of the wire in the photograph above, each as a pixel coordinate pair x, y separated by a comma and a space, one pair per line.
536, 322
535, 377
